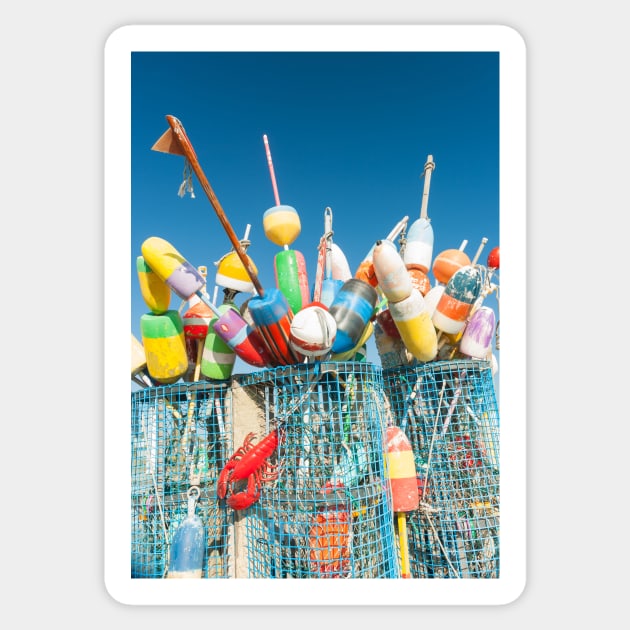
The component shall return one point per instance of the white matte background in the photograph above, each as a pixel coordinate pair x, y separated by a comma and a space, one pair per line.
52, 370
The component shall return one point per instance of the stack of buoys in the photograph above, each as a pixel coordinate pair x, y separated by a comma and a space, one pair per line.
390, 296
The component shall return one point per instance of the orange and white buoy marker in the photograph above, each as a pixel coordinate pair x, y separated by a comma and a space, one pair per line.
404, 484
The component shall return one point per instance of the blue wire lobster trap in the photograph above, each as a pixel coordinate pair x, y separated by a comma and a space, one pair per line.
325, 507
181, 436
448, 411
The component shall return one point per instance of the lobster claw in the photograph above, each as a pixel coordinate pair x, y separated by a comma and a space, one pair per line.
224, 478
242, 500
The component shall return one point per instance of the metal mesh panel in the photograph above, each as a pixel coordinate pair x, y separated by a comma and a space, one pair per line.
448, 410
180, 437
328, 514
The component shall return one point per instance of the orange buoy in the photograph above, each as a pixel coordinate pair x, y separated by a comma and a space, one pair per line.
330, 540
447, 263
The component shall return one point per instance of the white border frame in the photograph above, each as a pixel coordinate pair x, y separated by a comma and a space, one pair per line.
117, 143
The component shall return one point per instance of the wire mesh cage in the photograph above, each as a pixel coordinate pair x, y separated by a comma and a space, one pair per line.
448, 410
325, 508
180, 437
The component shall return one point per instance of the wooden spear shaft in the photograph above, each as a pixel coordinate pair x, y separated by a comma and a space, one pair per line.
189, 152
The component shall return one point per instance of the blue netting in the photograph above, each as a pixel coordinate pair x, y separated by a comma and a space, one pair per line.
449, 412
328, 514
180, 436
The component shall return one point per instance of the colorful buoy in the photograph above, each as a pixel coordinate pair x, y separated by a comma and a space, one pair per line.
493, 259
387, 323
272, 317
432, 298
419, 247
184, 279
447, 263
217, 361
164, 345
197, 319
415, 326
340, 269
392, 275
352, 309
458, 298
281, 224
292, 278
313, 331
189, 543
231, 273
402, 470
155, 292
419, 279
477, 337
350, 355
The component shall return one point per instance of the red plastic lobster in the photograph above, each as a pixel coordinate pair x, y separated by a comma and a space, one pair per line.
248, 462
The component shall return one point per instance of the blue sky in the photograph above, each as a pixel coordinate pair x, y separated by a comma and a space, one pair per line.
347, 130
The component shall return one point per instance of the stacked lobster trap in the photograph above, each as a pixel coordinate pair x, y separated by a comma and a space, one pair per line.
181, 437
449, 412
321, 505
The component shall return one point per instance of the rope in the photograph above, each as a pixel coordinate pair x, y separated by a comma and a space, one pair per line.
186, 185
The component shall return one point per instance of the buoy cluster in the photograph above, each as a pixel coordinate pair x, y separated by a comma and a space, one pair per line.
390, 296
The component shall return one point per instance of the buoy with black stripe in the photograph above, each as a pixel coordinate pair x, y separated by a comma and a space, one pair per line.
404, 485
164, 345
352, 309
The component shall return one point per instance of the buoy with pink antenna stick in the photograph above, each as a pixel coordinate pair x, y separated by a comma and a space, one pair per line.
281, 224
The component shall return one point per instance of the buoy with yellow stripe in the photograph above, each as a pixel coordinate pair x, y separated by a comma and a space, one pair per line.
164, 345
231, 273
415, 326
404, 485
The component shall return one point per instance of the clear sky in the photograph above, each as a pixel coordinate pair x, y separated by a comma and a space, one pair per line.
347, 130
